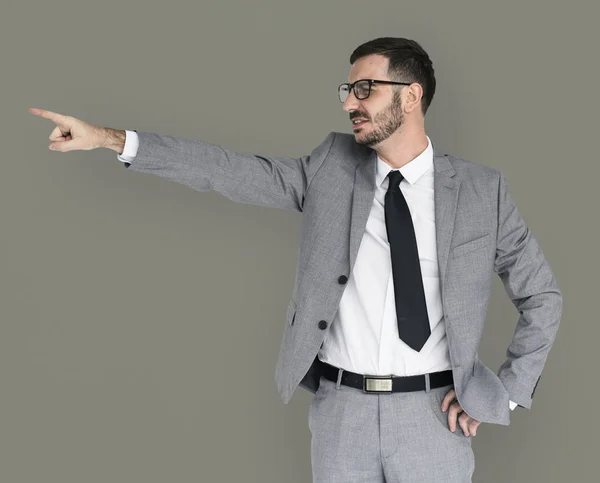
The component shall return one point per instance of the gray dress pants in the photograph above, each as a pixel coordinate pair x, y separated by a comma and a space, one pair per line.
399, 437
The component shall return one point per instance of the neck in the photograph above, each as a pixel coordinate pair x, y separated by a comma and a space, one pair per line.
402, 147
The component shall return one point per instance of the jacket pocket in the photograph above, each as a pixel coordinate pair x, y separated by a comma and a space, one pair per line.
471, 245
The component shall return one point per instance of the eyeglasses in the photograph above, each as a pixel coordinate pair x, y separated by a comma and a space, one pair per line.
362, 88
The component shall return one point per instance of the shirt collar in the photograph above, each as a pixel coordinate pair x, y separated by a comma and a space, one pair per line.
412, 170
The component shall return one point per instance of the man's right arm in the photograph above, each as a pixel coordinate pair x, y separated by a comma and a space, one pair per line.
274, 181
278, 182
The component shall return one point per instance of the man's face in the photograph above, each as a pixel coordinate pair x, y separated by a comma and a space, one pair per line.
383, 107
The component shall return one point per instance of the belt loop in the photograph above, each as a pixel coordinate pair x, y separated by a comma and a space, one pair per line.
337, 384
427, 384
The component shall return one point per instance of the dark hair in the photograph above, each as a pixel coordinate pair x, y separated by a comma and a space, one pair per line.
407, 62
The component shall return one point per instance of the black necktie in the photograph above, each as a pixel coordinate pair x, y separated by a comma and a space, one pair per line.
411, 309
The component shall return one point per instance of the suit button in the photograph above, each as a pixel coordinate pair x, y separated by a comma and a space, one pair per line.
322, 324
342, 279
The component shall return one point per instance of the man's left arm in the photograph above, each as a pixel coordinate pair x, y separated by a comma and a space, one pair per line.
532, 288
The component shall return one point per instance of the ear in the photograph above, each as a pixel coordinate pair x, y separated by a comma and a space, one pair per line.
412, 97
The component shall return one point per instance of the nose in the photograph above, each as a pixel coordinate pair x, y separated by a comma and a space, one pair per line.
351, 102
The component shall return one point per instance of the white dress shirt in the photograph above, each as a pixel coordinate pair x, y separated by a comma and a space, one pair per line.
363, 336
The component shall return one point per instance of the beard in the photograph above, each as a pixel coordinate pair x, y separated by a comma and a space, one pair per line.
384, 124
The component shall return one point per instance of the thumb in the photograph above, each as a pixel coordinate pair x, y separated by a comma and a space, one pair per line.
64, 146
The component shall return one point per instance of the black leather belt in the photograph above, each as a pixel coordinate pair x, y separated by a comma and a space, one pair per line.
386, 384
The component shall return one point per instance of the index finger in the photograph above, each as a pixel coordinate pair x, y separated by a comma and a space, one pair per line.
53, 116
447, 399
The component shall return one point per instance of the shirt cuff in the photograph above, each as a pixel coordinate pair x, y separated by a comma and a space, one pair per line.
131, 146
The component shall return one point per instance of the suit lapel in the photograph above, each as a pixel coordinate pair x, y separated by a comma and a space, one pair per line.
445, 193
445, 199
362, 199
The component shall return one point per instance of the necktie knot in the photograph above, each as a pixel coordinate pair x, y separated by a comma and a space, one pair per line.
395, 176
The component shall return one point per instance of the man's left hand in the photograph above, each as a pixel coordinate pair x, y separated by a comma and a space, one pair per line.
469, 428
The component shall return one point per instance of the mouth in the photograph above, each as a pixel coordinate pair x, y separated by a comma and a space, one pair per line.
359, 124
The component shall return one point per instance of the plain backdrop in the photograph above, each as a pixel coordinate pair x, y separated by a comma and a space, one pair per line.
141, 320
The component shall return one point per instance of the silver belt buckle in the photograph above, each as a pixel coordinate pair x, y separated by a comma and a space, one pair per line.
377, 384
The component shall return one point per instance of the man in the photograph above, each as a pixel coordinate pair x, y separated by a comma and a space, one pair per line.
398, 246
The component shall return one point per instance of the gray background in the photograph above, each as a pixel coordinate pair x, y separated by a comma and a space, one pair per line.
141, 320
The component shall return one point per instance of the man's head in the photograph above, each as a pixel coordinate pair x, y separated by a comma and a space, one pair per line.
389, 107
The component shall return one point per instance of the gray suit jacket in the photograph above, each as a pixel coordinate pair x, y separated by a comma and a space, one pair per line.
478, 232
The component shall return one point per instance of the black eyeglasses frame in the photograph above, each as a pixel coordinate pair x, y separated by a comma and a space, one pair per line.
371, 82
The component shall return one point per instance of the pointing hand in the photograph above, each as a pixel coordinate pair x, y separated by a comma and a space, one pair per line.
71, 134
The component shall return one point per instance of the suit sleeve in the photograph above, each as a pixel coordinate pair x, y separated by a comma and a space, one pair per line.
533, 290
278, 182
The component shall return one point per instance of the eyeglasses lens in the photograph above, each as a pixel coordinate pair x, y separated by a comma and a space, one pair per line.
361, 90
